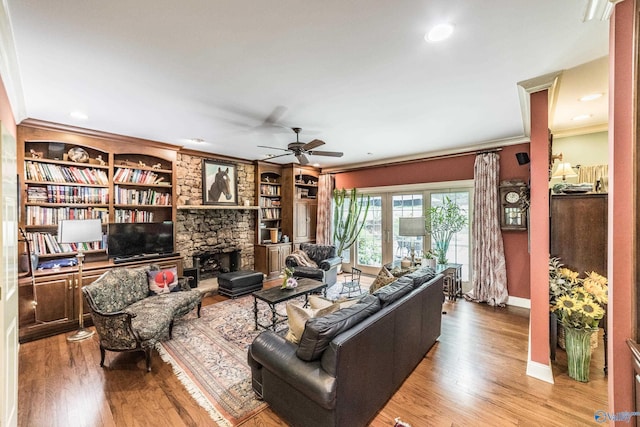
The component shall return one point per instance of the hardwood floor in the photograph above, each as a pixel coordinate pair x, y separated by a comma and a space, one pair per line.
474, 375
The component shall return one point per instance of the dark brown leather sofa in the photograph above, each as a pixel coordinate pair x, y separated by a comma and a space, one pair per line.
349, 363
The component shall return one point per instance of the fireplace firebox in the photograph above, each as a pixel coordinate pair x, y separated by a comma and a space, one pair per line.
212, 264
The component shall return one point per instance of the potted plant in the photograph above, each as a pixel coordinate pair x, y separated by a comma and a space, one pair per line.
579, 304
442, 223
348, 220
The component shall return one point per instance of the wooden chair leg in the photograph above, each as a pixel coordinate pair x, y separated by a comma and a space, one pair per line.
199, 307
102, 353
171, 330
147, 354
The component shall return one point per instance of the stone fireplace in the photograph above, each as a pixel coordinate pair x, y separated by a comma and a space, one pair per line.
211, 264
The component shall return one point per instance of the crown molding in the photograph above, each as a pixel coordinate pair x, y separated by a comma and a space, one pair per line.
563, 133
527, 87
9, 69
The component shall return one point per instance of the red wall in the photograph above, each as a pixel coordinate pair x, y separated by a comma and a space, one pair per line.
454, 169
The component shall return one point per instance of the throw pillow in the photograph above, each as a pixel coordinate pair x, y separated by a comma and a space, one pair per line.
383, 278
163, 281
317, 302
303, 259
298, 316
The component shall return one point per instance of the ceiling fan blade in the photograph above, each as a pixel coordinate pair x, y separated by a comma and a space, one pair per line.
273, 148
276, 114
302, 159
326, 153
312, 144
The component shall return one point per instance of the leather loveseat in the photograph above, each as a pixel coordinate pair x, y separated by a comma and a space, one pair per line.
350, 362
324, 256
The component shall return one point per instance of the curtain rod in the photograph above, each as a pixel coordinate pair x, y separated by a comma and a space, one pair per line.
493, 150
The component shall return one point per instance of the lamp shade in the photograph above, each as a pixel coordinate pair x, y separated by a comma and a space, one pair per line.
79, 230
564, 170
412, 226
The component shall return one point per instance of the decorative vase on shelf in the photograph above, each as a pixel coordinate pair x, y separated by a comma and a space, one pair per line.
578, 347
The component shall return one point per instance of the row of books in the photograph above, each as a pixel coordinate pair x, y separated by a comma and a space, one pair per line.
125, 196
271, 213
45, 172
133, 215
304, 193
67, 194
270, 190
269, 203
46, 243
138, 176
39, 215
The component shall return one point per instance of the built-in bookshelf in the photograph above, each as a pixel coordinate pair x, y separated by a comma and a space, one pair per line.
270, 204
78, 177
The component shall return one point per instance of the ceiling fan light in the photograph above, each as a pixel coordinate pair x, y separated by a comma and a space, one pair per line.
439, 32
581, 117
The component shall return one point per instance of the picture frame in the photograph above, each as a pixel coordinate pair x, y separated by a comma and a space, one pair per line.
219, 182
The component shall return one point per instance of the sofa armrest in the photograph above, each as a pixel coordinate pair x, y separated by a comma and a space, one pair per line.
115, 330
278, 356
329, 263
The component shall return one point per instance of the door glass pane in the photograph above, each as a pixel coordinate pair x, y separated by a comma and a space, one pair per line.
406, 205
369, 245
458, 252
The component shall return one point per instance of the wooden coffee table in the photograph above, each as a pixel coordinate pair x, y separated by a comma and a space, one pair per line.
276, 295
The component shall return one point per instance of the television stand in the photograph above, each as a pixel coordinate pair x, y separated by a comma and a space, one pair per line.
143, 257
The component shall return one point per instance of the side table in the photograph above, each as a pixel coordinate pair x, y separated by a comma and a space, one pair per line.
452, 279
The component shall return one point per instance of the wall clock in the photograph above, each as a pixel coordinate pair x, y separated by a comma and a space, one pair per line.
514, 205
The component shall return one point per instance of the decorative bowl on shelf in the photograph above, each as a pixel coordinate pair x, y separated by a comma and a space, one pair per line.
79, 155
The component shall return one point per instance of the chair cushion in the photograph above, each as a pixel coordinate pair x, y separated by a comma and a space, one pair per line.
319, 331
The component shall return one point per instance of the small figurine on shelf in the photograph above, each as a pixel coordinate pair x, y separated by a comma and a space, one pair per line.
100, 161
35, 154
157, 166
142, 164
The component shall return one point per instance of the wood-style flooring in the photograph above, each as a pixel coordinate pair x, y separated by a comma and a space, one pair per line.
475, 375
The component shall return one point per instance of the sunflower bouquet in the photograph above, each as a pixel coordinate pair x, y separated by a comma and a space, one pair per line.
578, 302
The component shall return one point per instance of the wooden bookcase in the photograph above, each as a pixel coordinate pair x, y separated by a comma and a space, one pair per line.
72, 173
299, 196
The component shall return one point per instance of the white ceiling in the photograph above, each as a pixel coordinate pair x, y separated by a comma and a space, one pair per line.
357, 74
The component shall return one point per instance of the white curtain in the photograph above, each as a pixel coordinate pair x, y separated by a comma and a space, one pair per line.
323, 225
489, 282
593, 174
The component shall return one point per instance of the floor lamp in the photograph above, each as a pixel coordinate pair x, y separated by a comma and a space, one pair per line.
80, 231
412, 227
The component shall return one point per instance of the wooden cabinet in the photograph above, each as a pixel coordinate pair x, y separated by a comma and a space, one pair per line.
300, 205
579, 231
270, 259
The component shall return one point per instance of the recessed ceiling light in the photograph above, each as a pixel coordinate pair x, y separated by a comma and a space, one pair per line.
439, 33
198, 141
582, 117
316, 165
79, 115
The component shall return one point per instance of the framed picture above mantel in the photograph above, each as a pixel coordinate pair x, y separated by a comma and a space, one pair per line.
219, 182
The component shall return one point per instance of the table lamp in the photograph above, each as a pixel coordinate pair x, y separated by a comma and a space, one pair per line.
412, 227
80, 231
564, 171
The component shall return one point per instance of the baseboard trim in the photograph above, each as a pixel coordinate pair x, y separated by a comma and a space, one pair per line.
519, 302
540, 371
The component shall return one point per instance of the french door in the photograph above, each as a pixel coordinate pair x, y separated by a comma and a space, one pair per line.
380, 242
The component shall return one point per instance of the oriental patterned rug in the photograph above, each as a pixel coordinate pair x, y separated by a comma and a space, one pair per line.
209, 356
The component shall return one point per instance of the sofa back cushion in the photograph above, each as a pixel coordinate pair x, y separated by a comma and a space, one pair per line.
421, 275
319, 331
118, 288
394, 291
318, 253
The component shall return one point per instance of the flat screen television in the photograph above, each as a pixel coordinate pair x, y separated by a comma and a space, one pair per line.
139, 238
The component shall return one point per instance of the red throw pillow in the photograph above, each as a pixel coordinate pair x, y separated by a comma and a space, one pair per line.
163, 281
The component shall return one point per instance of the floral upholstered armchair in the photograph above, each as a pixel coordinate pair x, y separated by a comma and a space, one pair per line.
129, 315
319, 262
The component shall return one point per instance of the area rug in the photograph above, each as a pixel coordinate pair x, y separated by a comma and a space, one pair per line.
209, 356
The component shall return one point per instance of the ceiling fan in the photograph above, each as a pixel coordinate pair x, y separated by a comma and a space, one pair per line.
301, 150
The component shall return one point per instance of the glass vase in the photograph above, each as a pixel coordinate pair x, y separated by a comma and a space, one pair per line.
578, 347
